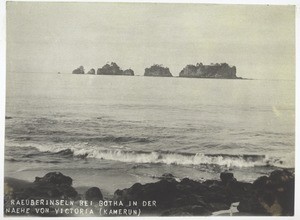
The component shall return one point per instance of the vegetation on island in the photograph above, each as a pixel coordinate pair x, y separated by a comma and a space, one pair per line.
158, 70
113, 69
218, 70
79, 70
108, 69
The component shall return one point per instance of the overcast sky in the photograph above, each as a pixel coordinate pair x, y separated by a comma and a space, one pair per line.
52, 37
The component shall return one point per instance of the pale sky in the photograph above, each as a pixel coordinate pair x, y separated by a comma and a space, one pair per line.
52, 37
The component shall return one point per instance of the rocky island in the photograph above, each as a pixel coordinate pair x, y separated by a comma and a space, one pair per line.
114, 69
79, 70
107, 69
92, 71
219, 71
158, 70
169, 196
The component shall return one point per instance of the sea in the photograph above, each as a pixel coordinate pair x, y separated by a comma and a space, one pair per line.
114, 131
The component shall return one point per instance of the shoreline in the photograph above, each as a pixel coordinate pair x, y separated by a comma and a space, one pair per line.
267, 195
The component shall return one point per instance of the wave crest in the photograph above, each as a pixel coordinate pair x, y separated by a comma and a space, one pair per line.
167, 157
122, 154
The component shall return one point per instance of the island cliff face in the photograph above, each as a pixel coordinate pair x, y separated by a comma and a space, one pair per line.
114, 69
128, 72
92, 71
220, 71
79, 70
158, 70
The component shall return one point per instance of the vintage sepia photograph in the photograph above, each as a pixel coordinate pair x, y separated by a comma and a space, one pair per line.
149, 109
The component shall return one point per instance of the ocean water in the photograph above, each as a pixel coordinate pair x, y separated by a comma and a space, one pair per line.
113, 131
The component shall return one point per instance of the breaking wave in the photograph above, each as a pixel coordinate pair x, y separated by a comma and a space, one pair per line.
175, 158
168, 157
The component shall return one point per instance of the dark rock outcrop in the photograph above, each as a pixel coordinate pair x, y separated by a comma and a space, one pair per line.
273, 195
53, 185
55, 178
158, 70
93, 194
186, 197
268, 195
227, 177
220, 71
128, 72
167, 176
79, 70
92, 72
114, 69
